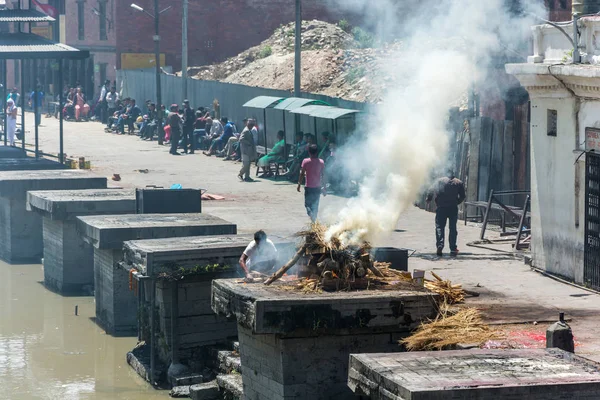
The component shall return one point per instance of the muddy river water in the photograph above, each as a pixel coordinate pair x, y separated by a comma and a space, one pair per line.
47, 352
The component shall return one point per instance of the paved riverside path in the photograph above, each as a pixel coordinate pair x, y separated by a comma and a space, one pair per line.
510, 291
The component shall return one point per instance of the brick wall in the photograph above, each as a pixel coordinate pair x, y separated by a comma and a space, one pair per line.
103, 51
216, 30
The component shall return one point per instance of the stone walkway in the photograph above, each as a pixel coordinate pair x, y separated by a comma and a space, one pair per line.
510, 290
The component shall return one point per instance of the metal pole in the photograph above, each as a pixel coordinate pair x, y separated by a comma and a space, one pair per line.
184, 50
576, 54
4, 121
157, 60
61, 154
265, 123
35, 108
298, 50
23, 102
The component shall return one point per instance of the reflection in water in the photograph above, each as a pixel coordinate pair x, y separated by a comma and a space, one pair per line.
46, 352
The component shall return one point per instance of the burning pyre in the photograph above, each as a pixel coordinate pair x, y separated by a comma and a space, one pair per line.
330, 266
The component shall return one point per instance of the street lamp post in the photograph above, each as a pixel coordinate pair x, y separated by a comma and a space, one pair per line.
156, 39
184, 49
298, 50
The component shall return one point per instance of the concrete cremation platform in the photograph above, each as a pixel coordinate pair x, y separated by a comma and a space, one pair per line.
12, 152
532, 374
29, 164
68, 259
20, 230
196, 261
116, 304
295, 345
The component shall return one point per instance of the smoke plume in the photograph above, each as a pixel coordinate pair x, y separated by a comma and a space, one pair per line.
446, 47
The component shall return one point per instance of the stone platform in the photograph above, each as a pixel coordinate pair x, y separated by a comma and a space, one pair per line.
20, 230
29, 164
116, 304
532, 374
296, 346
68, 259
12, 152
197, 261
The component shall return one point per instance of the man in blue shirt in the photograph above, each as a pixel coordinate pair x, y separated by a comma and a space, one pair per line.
36, 101
130, 116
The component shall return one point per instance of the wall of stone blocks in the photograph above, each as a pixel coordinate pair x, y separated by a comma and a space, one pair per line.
116, 305
198, 325
21, 235
68, 260
316, 368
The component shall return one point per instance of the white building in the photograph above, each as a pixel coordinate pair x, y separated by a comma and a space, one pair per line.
565, 150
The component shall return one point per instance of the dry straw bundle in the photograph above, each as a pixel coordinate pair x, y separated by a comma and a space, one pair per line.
447, 331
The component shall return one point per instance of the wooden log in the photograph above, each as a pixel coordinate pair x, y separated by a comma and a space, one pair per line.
287, 266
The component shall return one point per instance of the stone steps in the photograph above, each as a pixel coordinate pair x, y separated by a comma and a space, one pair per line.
231, 385
229, 361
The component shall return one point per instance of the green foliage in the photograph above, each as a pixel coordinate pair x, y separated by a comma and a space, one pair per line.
265, 52
355, 73
345, 25
363, 38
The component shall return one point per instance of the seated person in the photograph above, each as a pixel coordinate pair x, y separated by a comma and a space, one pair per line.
324, 153
231, 145
81, 107
150, 123
302, 152
276, 155
129, 117
219, 142
260, 255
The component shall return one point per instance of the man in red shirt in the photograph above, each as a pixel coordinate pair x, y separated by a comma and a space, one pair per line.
312, 169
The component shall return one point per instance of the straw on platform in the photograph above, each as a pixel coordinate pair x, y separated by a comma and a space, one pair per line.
447, 331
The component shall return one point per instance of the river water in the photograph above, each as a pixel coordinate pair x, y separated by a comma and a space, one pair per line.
47, 352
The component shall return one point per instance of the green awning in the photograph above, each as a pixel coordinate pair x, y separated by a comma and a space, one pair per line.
325, 112
294, 102
264, 102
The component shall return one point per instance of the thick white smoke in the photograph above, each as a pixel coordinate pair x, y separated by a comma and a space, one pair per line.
448, 50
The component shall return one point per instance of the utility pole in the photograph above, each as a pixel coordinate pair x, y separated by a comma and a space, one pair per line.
298, 50
157, 60
184, 50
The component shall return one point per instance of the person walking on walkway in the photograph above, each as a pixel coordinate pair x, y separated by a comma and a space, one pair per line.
448, 192
248, 150
174, 121
312, 169
36, 101
11, 121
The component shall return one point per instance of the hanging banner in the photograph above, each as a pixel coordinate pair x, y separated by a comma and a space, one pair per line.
46, 8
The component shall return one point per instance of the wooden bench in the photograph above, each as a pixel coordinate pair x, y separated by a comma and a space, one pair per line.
495, 204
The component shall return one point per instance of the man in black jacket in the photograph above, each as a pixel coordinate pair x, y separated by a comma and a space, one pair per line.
189, 117
449, 192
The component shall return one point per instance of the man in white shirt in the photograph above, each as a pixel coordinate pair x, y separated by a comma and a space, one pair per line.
259, 256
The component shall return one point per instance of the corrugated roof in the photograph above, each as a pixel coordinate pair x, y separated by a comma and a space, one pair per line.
294, 102
326, 112
29, 46
263, 102
9, 15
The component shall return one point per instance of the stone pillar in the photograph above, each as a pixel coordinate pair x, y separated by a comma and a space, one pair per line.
586, 6
21, 231
68, 260
116, 305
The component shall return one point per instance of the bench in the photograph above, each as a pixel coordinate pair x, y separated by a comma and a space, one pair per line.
495, 204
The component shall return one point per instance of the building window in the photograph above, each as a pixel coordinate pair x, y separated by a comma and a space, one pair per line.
102, 71
563, 4
80, 20
552, 123
102, 19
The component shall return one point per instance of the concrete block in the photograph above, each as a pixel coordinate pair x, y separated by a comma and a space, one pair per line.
28, 164
68, 259
116, 305
110, 231
205, 391
20, 230
297, 346
532, 374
